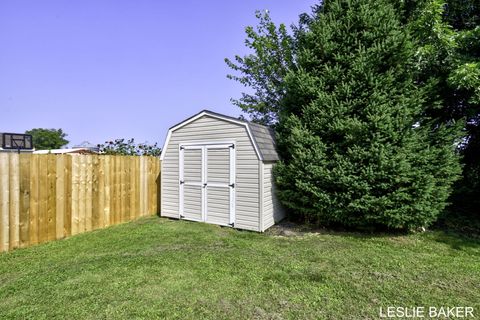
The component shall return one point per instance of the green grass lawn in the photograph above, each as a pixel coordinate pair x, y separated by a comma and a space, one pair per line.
159, 268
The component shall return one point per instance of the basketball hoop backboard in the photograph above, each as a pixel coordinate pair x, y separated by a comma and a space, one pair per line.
16, 141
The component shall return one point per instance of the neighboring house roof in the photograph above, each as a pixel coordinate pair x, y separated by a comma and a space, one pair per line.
63, 151
88, 145
262, 137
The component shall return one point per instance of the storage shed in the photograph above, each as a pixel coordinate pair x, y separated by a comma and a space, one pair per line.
218, 169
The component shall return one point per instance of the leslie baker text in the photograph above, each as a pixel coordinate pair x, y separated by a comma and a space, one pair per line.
427, 312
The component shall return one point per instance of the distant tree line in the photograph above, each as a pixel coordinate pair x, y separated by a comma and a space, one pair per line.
48, 139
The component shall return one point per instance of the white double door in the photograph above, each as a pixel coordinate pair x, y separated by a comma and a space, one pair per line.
207, 183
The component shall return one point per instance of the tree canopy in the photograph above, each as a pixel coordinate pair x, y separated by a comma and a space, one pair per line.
368, 99
46, 139
264, 70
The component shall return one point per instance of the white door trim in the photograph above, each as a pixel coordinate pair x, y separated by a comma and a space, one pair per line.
180, 179
204, 146
232, 185
204, 183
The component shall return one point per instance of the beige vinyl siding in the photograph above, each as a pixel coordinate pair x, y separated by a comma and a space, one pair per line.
207, 128
218, 197
170, 183
218, 205
192, 203
272, 210
192, 165
218, 168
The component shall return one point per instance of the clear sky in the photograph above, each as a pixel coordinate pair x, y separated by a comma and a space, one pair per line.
103, 69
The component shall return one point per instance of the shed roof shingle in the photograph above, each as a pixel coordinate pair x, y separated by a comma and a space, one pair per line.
265, 140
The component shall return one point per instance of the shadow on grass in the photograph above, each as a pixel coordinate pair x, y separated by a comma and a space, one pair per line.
455, 240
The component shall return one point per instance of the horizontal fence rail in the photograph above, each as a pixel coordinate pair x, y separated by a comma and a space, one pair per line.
48, 197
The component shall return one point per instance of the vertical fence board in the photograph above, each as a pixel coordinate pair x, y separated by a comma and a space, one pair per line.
89, 193
82, 194
43, 199
34, 199
60, 196
128, 187
149, 177
126, 182
149, 183
118, 188
75, 194
51, 201
95, 196
151, 186
146, 186
67, 221
154, 187
24, 199
142, 186
157, 186
121, 188
4, 202
145, 173
108, 176
138, 204
159, 183
133, 187
100, 169
14, 196
114, 202
140, 182
113, 208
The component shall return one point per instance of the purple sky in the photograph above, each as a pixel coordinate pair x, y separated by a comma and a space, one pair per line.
102, 70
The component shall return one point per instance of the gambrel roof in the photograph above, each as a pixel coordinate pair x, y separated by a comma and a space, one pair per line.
262, 137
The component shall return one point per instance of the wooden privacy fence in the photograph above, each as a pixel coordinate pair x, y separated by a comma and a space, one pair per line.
48, 197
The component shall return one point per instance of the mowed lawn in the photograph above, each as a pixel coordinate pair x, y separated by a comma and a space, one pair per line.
159, 268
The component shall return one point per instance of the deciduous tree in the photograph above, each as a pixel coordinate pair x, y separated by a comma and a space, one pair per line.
47, 139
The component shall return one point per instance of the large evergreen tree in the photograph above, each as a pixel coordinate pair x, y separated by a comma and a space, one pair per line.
357, 146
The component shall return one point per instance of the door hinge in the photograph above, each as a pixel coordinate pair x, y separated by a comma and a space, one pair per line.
232, 224
232, 146
204, 185
182, 182
182, 216
232, 185
182, 147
